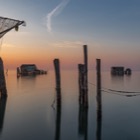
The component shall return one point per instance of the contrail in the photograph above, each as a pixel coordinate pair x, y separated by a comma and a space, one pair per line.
57, 10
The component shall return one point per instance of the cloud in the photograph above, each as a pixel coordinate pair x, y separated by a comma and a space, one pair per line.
9, 45
56, 11
68, 44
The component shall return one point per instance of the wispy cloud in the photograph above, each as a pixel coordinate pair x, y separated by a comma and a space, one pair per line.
68, 44
9, 45
57, 10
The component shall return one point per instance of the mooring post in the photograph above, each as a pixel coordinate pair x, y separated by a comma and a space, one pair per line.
18, 72
3, 89
81, 68
86, 75
86, 65
99, 100
81, 83
2, 112
57, 73
98, 68
83, 103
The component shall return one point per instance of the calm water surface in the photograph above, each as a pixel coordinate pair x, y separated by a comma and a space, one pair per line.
30, 111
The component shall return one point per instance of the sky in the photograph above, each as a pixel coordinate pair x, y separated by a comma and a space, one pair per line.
60, 28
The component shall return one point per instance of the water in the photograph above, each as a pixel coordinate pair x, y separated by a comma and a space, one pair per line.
30, 111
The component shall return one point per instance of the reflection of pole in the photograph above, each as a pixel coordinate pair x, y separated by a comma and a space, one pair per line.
3, 89
58, 115
99, 101
57, 73
2, 112
83, 121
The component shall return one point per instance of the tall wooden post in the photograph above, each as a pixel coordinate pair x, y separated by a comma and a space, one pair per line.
58, 97
83, 79
98, 67
2, 112
86, 65
81, 68
18, 72
99, 101
3, 89
86, 74
57, 73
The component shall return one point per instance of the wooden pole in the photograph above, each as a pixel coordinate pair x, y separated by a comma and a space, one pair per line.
86, 65
85, 58
3, 89
2, 112
58, 98
98, 67
99, 101
86, 75
81, 83
18, 72
57, 73
81, 68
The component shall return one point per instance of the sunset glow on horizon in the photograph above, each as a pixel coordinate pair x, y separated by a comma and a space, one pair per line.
59, 29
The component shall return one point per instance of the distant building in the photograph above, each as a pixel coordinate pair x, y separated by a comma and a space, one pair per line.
29, 69
119, 70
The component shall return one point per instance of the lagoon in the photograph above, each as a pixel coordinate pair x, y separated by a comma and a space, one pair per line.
30, 111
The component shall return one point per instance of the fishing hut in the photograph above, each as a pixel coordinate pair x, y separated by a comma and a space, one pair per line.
119, 70
29, 69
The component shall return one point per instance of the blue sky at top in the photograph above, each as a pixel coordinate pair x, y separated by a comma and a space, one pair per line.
113, 24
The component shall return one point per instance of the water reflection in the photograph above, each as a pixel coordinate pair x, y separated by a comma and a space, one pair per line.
117, 79
83, 121
83, 114
58, 114
25, 81
2, 112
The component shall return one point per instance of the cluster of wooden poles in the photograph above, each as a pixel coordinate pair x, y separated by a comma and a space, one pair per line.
83, 97
83, 77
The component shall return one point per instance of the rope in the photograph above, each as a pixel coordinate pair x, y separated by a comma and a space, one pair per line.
53, 103
117, 92
126, 95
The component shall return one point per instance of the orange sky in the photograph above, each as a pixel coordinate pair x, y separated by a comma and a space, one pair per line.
70, 54
56, 29
25, 47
